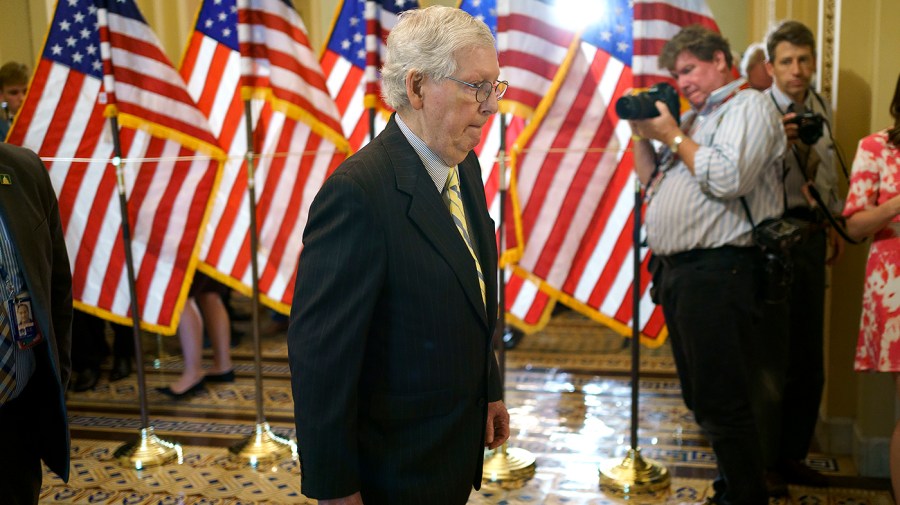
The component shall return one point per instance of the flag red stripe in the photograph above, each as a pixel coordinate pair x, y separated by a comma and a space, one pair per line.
554, 34
672, 14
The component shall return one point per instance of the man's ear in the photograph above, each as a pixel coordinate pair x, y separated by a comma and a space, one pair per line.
720, 61
414, 89
770, 69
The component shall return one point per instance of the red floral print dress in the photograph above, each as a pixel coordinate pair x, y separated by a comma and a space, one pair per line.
876, 179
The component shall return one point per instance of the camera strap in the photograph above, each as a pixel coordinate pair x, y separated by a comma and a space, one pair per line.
747, 211
813, 191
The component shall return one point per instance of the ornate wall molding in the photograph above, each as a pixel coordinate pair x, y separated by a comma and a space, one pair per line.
829, 43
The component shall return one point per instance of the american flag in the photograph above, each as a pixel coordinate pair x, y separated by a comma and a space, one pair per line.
100, 57
655, 22
295, 140
533, 42
344, 62
575, 183
526, 305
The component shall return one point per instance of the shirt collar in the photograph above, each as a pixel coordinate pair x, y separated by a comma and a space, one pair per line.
435, 167
719, 96
783, 101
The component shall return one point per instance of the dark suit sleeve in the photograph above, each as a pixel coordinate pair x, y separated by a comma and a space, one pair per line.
340, 275
60, 273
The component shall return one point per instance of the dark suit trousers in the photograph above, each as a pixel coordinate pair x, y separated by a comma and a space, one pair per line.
20, 462
796, 355
806, 359
710, 306
89, 347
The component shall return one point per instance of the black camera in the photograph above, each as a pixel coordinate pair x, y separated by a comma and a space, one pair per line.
809, 127
779, 234
643, 105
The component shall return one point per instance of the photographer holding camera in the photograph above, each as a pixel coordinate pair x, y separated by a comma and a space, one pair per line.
797, 362
727, 151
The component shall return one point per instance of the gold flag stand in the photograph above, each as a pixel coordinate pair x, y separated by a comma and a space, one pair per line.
148, 450
508, 467
635, 474
262, 447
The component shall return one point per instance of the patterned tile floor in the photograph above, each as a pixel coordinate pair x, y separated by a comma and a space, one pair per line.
567, 387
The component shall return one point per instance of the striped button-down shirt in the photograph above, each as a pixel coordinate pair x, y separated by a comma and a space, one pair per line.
11, 283
741, 145
826, 176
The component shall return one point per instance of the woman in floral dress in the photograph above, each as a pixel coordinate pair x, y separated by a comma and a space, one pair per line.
873, 210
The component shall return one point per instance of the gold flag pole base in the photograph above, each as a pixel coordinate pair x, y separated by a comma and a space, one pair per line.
632, 476
510, 468
148, 450
262, 448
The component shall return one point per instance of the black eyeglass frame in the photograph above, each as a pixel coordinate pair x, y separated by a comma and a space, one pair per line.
484, 88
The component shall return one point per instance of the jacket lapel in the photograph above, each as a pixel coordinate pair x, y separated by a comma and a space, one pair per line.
481, 228
430, 215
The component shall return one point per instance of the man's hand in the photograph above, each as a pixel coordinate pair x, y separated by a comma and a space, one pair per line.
354, 499
663, 128
792, 130
837, 247
497, 429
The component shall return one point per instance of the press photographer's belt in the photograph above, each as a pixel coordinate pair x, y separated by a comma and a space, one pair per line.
724, 253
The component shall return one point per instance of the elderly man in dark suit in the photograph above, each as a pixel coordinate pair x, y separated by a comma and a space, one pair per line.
396, 389
34, 356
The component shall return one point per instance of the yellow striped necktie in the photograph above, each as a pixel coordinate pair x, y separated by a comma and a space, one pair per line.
454, 202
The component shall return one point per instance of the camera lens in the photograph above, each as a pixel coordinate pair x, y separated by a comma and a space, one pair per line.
636, 107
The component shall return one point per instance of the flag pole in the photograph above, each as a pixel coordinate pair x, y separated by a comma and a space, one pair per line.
509, 467
262, 447
148, 449
635, 475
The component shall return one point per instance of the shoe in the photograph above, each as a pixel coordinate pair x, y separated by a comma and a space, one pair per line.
196, 388
220, 377
796, 472
86, 380
121, 368
775, 484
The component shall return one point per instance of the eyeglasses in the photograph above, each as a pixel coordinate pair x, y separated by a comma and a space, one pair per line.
483, 89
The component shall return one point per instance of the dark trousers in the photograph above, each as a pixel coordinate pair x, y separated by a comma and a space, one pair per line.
20, 463
709, 299
89, 347
796, 357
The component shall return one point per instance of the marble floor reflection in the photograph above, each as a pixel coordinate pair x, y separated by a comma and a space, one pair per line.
569, 393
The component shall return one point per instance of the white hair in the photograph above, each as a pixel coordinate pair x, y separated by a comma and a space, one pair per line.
427, 41
755, 53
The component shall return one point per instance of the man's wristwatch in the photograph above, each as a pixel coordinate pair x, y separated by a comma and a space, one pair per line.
675, 143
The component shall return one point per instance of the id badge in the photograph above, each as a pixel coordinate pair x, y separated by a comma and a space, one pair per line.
21, 321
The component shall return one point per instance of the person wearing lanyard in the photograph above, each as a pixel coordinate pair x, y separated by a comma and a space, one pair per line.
808, 163
35, 328
728, 149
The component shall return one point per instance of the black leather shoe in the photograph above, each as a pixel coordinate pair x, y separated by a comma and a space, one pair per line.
796, 472
121, 368
196, 388
220, 377
86, 380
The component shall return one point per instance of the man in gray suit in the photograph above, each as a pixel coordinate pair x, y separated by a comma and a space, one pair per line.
35, 328
396, 388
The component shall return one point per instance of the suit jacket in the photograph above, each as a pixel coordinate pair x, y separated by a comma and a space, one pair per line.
389, 340
29, 209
